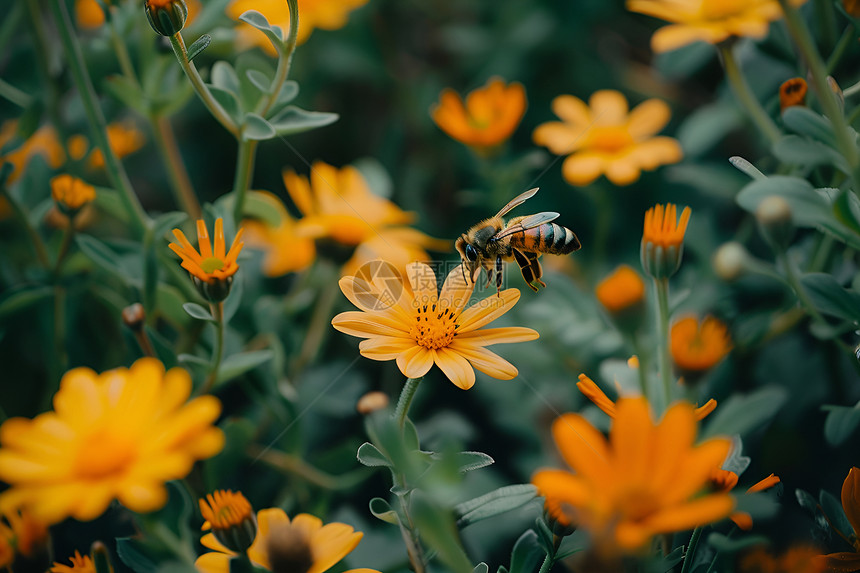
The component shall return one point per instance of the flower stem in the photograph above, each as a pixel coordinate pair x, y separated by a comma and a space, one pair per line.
68, 235
165, 141
217, 309
35, 239
14, 95
844, 41
691, 550
802, 37
244, 172
745, 95
121, 52
661, 288
406, 395
98, 125
203, 92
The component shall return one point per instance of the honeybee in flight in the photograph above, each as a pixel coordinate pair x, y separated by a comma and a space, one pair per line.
522, 239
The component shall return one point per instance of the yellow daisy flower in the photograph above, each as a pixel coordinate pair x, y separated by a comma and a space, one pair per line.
71, 193
300, 545
662, 243
322, 14
231, 519
208, 265
117, 435
647, 479
79, 565
418, 327
488, 118
603, 138
711, 21
698, 346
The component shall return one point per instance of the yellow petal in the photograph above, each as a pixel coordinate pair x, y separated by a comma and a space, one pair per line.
331, 544
415, 362
560, 138
488, 310
456, 290
385, 347
504, 335
851, 499
583, 168
674, 36
368, 325
456, 368
487, 362
422, 279
213, 563
608, 107
648, 118
583, 447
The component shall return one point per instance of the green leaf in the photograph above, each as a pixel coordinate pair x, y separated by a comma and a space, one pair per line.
806, 501
100, 254
796, 150
481, 568
224, 77
237, 364
808, 209
108, 201
22, 298
840, 423
666, 563
804, 121
527, 553
469, 461
228, 100
494, 503
741, 414
832, 508
198, 46
128, 93
382, 510
234, 299
257, 128
746, 167
830, 298
259, 80
723, 543
707, 126
258, 21
135, 555
289, 91
370, 456
259, 206
167, 221
194, 310
293, 119
846, 208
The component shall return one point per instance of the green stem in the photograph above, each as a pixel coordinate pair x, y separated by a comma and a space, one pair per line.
59, 336
845, 40
98, 125
745, 95
643, 365
11, 24
180, 182
217, 309
68, 234
291, 464
549, 560
406, 395
802, 37
203, 92
244, 172
13, 94
691, 550
121, 52
410, 536
35, 239
827, 21
661, 288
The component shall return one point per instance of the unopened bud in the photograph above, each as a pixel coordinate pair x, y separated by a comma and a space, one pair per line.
792, 92
167, 17
837, 91
775, 222
101, 558
372, 402
730, 260
133, 316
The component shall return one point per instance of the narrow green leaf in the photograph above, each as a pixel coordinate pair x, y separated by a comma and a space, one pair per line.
830, 298
741, 414
22, 298
289, 91
847, 210
293, 120
746, 167
481, 568
494, 503
832, 508
198, 46
191, 359
228, 100
255, 127
804, 121
166, 222
808, 209
194, 310
127, 92
797, 150
382, 510
100, 254
723, 543
224, 77
234, 299
840, 423
527, 553
469, 461
274, 33
369, 455
260, 80
135, 556
237, 364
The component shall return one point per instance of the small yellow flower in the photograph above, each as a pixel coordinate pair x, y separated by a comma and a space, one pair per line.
322, 14
663, 240
208, 265
231, 519
698, 346
593, 392
300, 545
43, 141
71, 193
79, 565
603, 138
488, 118
123, 138
711, 21
419, 327
792, 92
117, 435
285, 250
621, 290
647, 479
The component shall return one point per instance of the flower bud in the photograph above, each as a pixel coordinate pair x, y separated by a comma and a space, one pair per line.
729, 261
792, 92
133, 316
167, 17
622, 294
775, 222
71, 194
663, 240
230, 517
837, 91
372, 402
215, 291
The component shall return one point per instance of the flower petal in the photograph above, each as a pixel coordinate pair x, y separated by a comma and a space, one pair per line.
503, 335
648, 118
368, 325
583, 447
456, 368
456, 290
385, 347
415, 362
487, 362
488, 310
583, 167
608, 107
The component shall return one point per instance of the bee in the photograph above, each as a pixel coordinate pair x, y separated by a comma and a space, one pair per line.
522, 239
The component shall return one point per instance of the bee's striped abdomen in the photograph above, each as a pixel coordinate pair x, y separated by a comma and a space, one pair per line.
547, 238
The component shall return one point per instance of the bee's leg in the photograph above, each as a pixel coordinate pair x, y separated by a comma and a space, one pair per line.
537, 271
526, 268
498, 276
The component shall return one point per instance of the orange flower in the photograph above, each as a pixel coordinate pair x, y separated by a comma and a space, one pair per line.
116, 435
647, 479
285, 251
593, 392
792, 92
663, 240
725, 480
621, 290
71, 193
603, 138
711, 21
488, 118
322, 14
418, 328
208, 266
847, 561
796, 559
123, 138
231, 519
43, 141
79, 565
697, 347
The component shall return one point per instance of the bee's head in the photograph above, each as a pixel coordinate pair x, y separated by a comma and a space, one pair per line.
470, 256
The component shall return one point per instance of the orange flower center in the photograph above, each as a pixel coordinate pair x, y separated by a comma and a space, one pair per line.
610, 138
720, 9
434, 327
103, 454
211, 265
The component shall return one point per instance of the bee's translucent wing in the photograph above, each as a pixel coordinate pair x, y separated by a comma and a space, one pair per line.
518, 200
529, 222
